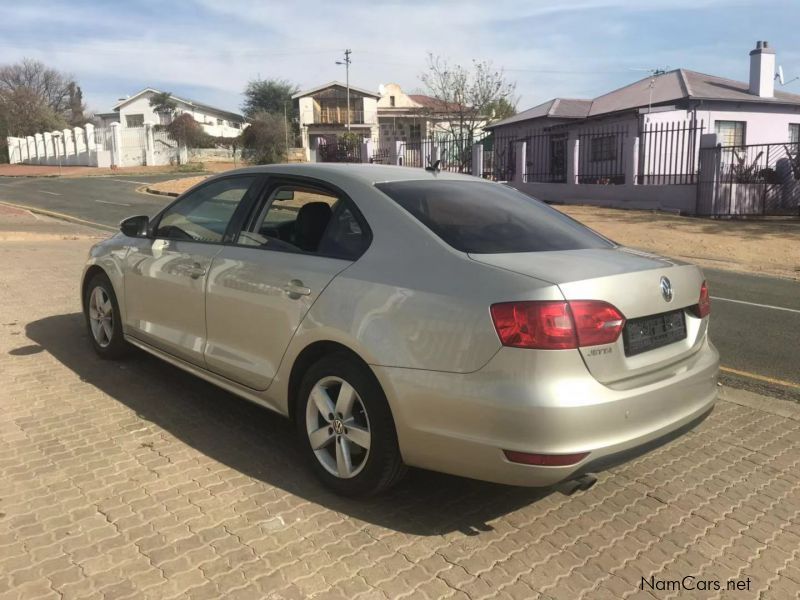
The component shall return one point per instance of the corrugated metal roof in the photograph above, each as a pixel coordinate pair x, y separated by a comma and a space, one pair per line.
335, 84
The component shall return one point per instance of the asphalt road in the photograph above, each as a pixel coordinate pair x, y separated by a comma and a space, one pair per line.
104, 200
755, 321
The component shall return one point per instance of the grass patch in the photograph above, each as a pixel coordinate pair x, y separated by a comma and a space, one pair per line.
190, 167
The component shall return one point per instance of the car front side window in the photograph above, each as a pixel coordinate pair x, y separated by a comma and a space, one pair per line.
293, 218
204, 214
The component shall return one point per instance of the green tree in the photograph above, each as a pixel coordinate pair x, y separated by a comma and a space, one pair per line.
164, 105
501, 109
77, 109
264, 141
269, 96
187, 132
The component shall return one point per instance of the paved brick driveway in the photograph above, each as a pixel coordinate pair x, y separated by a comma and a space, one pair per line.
134, 480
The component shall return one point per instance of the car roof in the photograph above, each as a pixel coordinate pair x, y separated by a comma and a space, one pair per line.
357, 172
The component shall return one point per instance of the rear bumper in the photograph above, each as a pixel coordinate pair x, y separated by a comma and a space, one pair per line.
543, 402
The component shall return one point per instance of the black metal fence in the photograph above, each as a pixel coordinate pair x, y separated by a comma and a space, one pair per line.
341, 150
669, 153
760, 179
381, 154
546, 158
456, 154
500, 156
601, 158
412, 154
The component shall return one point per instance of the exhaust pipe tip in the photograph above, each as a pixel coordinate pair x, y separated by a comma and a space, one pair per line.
582, 483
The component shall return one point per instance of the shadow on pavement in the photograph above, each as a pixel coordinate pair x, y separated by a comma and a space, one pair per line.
261, 444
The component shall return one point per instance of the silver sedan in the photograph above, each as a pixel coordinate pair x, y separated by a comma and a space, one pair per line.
404, 317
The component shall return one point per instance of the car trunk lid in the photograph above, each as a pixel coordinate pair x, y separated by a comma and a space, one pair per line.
630, 280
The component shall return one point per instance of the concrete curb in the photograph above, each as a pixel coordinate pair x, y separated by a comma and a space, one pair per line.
58, 215
156, 192
788, 409
32, 176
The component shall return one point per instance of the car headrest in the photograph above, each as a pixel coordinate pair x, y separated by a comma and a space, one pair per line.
311, 222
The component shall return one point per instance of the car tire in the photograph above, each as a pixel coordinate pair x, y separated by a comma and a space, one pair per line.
363, 419
101, 312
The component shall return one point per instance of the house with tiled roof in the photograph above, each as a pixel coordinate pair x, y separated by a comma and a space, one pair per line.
650, 134
411, 117
739, 112
132, 112
385, 117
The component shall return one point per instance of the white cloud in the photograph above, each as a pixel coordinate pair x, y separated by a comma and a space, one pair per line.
212, 48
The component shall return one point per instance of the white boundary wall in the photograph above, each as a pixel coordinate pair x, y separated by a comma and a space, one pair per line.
90, 147
82, 146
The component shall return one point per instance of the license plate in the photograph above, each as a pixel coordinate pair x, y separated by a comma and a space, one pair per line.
649, 333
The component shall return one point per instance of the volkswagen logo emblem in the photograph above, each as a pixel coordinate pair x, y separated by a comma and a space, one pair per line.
666, 289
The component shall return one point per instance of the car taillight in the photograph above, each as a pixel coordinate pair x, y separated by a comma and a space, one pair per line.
556, 325
543, 325
703, 307
596, 322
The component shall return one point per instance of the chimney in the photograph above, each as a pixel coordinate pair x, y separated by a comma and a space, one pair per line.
762, 70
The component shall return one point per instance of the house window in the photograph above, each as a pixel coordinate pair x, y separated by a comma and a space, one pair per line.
134, 120
415, 131
604, 148
236, 125
391, 100
220, 122
794, 133
730, 133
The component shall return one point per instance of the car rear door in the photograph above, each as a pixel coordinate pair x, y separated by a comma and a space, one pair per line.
299, 237
166, 273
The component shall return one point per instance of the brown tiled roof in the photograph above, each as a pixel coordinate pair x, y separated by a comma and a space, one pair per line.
429, 102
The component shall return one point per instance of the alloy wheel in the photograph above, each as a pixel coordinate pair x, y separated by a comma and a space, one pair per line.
338, 427
101, 316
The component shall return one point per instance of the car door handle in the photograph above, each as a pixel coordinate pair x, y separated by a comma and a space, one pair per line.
196, 271
295, 289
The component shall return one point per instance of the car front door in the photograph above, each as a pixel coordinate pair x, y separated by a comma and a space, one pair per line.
166, 273
299, 238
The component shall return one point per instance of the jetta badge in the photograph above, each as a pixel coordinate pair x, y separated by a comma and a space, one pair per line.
666, 289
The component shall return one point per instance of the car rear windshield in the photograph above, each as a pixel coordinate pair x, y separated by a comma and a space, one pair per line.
490, 218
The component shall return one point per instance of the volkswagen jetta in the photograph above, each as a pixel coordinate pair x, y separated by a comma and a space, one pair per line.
405, 317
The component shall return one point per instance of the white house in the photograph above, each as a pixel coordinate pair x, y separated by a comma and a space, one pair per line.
740, 113
641, 145
134, 111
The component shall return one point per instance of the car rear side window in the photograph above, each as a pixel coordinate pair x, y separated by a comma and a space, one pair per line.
490, 218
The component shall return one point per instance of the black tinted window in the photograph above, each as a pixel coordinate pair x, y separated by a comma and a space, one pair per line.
489, 218
344, 237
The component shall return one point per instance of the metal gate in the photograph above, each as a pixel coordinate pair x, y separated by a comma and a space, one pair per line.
760, 179
339, 150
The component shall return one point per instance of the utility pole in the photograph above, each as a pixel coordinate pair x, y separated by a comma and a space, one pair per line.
346, 63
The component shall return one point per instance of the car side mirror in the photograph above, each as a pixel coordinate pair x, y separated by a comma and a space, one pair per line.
284, 195
135, 226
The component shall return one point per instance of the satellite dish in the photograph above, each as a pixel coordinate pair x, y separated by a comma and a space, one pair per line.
780, 75
382, 89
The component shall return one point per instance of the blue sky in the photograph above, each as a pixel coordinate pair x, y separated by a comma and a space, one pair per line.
208, 49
